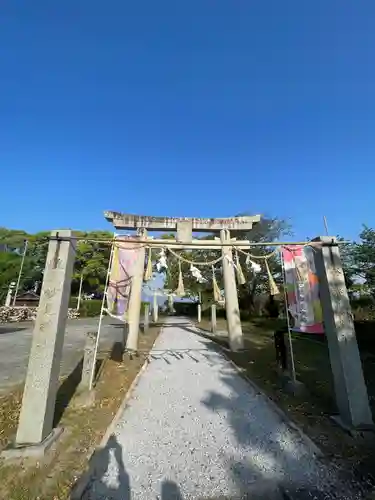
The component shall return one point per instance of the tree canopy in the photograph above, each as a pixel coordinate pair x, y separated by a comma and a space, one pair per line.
93, 258
268, 230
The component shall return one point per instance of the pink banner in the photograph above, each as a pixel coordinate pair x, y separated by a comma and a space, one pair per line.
125, 255
302, 289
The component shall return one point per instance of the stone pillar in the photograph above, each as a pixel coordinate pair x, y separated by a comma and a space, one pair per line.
199, 307
135, 300
146, 317
89, 359
38, 403
350, 388
155, 309
8, 299
231, 298
124, 336
170, 304
213, 318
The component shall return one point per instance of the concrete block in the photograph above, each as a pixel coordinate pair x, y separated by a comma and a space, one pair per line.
34, 451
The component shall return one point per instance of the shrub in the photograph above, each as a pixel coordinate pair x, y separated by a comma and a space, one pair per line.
91, 308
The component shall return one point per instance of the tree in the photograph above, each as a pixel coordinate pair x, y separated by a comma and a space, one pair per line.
12, 240
347, 260
92, 260
13, 246
361, 260
9, 268
269, 229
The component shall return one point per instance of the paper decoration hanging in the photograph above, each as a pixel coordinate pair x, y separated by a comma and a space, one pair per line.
197, 274
162, 261
240, 276
180, 291
273, 287
255, 267
148, 273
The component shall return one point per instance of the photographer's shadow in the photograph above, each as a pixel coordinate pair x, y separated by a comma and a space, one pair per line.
110, 481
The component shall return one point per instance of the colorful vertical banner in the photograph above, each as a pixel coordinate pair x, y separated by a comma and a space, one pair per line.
302, 289
125, 255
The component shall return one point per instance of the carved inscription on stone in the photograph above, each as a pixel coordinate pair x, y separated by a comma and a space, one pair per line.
340, 301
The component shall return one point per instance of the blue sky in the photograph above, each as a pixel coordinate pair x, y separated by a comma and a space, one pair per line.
199, 108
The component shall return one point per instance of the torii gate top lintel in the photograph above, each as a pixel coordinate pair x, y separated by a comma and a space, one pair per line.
196, 224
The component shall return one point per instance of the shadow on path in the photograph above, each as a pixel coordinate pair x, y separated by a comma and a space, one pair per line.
110, 480
12, 329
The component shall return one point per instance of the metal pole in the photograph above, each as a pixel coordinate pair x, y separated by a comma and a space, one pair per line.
291, 355
20, 273
325, 224
80, 292
92, 375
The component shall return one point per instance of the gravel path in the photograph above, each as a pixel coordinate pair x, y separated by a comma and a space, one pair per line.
194, 428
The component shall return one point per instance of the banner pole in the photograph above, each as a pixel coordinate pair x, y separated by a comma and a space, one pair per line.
291, 355
92, 375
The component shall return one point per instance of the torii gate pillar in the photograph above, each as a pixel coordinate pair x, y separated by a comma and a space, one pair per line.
231, 297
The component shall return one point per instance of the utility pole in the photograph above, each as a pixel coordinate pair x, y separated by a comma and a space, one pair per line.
80, 292
20, 273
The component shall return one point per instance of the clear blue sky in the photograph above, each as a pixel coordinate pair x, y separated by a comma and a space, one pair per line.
201, 108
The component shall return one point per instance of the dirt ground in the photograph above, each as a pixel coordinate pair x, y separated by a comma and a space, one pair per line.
84, 427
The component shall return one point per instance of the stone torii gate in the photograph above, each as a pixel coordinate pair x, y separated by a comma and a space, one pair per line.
35, 432
184, 227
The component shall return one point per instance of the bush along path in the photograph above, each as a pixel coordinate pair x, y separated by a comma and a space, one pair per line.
194, 428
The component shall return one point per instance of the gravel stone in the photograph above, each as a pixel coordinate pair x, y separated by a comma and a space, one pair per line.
195, 429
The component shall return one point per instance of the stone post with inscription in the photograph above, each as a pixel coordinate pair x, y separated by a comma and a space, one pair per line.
38, 403
350, 388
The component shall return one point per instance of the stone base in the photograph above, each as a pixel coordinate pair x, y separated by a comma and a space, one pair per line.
356, 432
295, 387
291, 386
34, 451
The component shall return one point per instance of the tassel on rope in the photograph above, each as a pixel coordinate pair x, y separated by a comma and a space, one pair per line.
273, 287
180, 291
148, 273
240, 276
